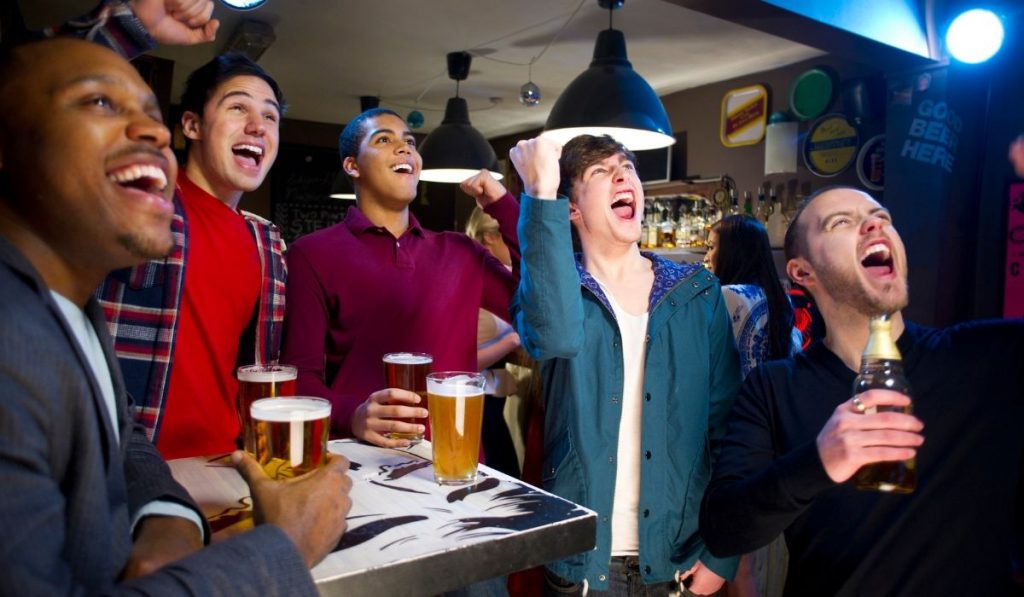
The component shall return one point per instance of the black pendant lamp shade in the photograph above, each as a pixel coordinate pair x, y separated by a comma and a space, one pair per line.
455, 150
610, 98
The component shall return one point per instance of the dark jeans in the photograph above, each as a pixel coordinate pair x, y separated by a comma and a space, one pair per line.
624, 580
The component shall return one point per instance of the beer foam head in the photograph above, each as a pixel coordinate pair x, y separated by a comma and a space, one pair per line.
408, 358
266, 373
455, 384
287, 410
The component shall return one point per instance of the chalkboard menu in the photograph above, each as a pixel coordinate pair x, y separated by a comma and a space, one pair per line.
300, 184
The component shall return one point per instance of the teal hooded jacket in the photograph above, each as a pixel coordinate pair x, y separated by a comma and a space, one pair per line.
691, 375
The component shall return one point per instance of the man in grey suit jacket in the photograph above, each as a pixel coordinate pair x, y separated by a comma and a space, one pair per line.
88, 506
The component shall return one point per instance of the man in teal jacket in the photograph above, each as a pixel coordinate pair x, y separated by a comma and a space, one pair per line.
639, 370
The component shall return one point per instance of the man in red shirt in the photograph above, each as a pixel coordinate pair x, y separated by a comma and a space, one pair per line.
182, 324
377, 282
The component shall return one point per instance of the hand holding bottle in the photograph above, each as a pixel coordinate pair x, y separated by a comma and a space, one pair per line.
851, 438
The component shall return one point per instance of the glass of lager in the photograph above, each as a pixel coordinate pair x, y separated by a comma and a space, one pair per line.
456, 415
408, 371
290, 434
261, 381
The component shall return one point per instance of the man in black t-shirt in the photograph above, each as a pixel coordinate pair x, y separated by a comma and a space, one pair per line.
796, 438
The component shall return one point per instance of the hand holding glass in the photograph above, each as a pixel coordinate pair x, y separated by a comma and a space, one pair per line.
408, 371
261, 381
290, 434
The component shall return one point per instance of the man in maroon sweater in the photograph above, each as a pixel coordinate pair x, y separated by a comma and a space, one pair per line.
378, 282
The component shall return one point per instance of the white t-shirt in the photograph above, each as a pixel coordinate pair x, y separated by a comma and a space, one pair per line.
625, 525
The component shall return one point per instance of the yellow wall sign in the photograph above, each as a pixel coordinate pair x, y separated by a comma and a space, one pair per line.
831, 145
744, 116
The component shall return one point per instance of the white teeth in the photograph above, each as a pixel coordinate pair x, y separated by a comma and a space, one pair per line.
402, 168
879, 248
251, 148
133, 173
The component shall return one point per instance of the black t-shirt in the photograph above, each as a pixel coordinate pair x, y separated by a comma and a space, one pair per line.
954, 535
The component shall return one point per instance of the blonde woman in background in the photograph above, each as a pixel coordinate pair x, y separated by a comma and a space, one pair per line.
496, 340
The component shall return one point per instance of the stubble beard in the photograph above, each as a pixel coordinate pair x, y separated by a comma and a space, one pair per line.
848, 289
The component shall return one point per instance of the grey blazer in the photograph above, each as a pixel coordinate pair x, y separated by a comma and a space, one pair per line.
68, 489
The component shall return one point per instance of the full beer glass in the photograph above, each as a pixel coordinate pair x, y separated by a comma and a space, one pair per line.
290, 434
261, 381
456, 415
408, 371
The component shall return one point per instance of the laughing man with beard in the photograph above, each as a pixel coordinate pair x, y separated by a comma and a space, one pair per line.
796, 438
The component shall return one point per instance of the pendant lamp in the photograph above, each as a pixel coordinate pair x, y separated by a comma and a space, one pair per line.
455, 150
610, 98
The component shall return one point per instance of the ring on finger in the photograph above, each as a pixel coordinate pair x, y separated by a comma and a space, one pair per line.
857, 404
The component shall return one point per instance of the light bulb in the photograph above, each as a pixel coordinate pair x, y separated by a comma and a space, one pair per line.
529, 94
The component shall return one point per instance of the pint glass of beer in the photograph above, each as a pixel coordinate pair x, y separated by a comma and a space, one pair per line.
408, 371
290, 434
261, 381
456, 415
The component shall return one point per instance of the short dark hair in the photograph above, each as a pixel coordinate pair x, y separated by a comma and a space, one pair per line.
795, 244
352, 136
744, 256
204, 80
582, 152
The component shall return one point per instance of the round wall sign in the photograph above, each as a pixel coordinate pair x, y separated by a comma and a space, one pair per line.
871, 163
810, 94
830, 146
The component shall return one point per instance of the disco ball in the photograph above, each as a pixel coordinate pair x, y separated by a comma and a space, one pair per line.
529, 94
414, 119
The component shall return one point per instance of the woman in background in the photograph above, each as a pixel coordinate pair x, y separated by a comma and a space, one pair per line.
496, 340
738, 252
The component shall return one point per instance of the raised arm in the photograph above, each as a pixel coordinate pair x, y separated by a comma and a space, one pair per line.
547, 308
132, 27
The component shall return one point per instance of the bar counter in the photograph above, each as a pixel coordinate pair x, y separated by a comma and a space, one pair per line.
406, 534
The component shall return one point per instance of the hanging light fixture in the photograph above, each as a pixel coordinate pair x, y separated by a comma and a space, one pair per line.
529, 93
455, 150
610, 98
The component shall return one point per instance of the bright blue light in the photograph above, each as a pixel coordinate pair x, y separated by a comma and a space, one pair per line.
974, 36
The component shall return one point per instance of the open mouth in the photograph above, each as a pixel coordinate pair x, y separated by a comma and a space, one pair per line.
878, 260
402, 168
143, 177
251, 153
624, 206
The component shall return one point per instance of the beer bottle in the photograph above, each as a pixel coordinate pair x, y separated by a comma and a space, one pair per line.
881, 367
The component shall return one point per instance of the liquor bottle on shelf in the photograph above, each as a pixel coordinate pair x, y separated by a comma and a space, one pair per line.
748, 207
761, 209
652, 229
682, 230
734, 204
881, 367
666, 231
777, 223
